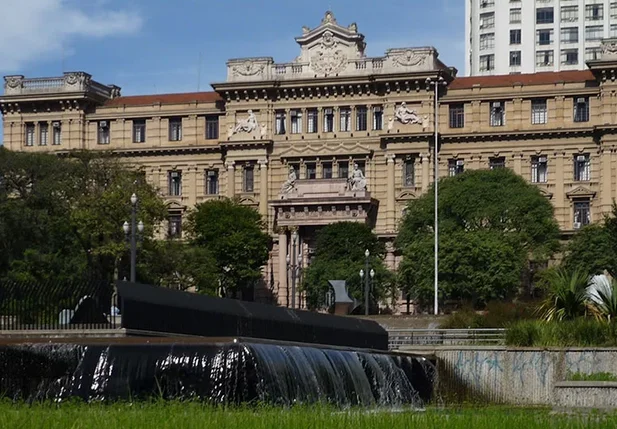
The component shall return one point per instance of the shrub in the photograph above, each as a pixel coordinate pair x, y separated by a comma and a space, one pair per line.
573, 333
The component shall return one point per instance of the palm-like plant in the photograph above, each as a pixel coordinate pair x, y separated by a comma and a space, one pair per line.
567, 295
602, 295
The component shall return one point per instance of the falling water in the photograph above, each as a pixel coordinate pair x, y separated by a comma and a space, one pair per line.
228, 373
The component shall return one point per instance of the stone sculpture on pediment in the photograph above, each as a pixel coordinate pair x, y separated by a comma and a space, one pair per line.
328, 59
405, 115
13, 81
247, 125
409, 58
290, 183
357, 181
248, 68
609, 47
425, 122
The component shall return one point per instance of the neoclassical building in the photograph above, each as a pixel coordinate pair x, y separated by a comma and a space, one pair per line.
335, 135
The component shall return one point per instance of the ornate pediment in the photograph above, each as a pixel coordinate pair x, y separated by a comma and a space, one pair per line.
581, 192
324, 149
406, 195
175, 206
546, 193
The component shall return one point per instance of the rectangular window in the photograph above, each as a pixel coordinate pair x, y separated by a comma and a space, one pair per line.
592, 54
544, 15
343, 170
139, 130
498, 114
569, 13
613, 31
515, 37
582, 214
311, 118
212, 127
212, 182
594, 12
487, 20
377, 118
539, 169
328, 120
175, 129
455, 166
581, 109
457, 115
497, 162
30, 130
515, 58
408, 172
175, 226
487, 3
311, 170
43, 134
296, 121
361, 114
56, 133
544, 37
569, 35
174, 179
345, 115
487, 62
248, 179
515, 16
594, 33
582, 168
279, 123
613, 10
544, 58
569, 56
487, 41
103, 132
326, 170
538, 112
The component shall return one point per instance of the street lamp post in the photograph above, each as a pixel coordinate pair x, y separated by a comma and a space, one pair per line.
133, 230
436, 84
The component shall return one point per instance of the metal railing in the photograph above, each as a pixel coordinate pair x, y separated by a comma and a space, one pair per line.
400, 338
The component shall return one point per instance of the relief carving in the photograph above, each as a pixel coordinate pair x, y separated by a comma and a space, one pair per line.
247, 125
290, 183
328, 59
13, 81
609, 47
77, 79
248, 68
405, 115
409, 58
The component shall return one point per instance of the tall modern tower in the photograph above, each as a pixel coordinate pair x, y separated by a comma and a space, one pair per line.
528, 36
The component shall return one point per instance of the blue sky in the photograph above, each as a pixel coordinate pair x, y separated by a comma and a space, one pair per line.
154, 46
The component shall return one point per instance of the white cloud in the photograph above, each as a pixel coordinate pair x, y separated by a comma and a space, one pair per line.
38, 29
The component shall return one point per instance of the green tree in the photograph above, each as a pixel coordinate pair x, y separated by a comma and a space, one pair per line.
234, 235
491, 224
339, 255
566, 296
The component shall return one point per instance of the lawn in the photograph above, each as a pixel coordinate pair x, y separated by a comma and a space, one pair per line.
193, 415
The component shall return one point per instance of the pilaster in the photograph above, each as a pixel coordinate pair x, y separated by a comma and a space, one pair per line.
390, 205
263, 188
231, 179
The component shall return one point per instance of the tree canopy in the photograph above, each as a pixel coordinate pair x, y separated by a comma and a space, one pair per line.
492, 222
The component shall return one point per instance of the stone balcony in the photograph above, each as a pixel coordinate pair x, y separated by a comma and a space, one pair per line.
69, 83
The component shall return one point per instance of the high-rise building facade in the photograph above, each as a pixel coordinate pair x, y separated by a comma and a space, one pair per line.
527, 36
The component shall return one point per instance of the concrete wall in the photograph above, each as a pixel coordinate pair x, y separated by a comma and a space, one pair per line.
586, 394
513, 376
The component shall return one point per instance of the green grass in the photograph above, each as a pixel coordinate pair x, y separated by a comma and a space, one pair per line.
193, 415
581, 332
596, 376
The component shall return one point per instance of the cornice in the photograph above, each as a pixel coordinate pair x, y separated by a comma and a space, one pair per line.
466, 95
517, 134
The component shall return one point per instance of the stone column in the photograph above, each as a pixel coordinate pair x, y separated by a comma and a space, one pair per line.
282, 289
425, 171
191, 190
560, 204
390, 260
606, 180
263, 188
231, 179
390, 206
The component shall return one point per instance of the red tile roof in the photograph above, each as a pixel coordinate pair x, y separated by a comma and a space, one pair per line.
144, 100
543, 78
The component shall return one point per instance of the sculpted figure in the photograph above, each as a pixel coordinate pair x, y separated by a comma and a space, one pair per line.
246, 125
405, 115
290, 183
357, 181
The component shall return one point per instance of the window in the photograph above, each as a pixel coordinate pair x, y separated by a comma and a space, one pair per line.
544, 15
457, 115
613, 10
582, 168
487, 62
248, 179
279, 122
408, 172
613, 31
174, 181
212, 127
212, 182
328, 123
569, 56
497, 114
582, 214
487, 41
538, 112
487, 3
311, 170
497, 162
515, 37
594, 32
311, 118
56, 133
175, 226
455, 166
30, 130
544, 37
569, 35
343, 170
569, 13
345, 115
487, 20
515, 58
515, 16
175, 129
103, 132
544, 58
43, 134
377, 118
139, 131
593, 53
361, 113
296, 121
539, 169
326, 170
594, 12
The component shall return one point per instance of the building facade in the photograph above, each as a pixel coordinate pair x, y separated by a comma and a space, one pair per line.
337, 136
528, 36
